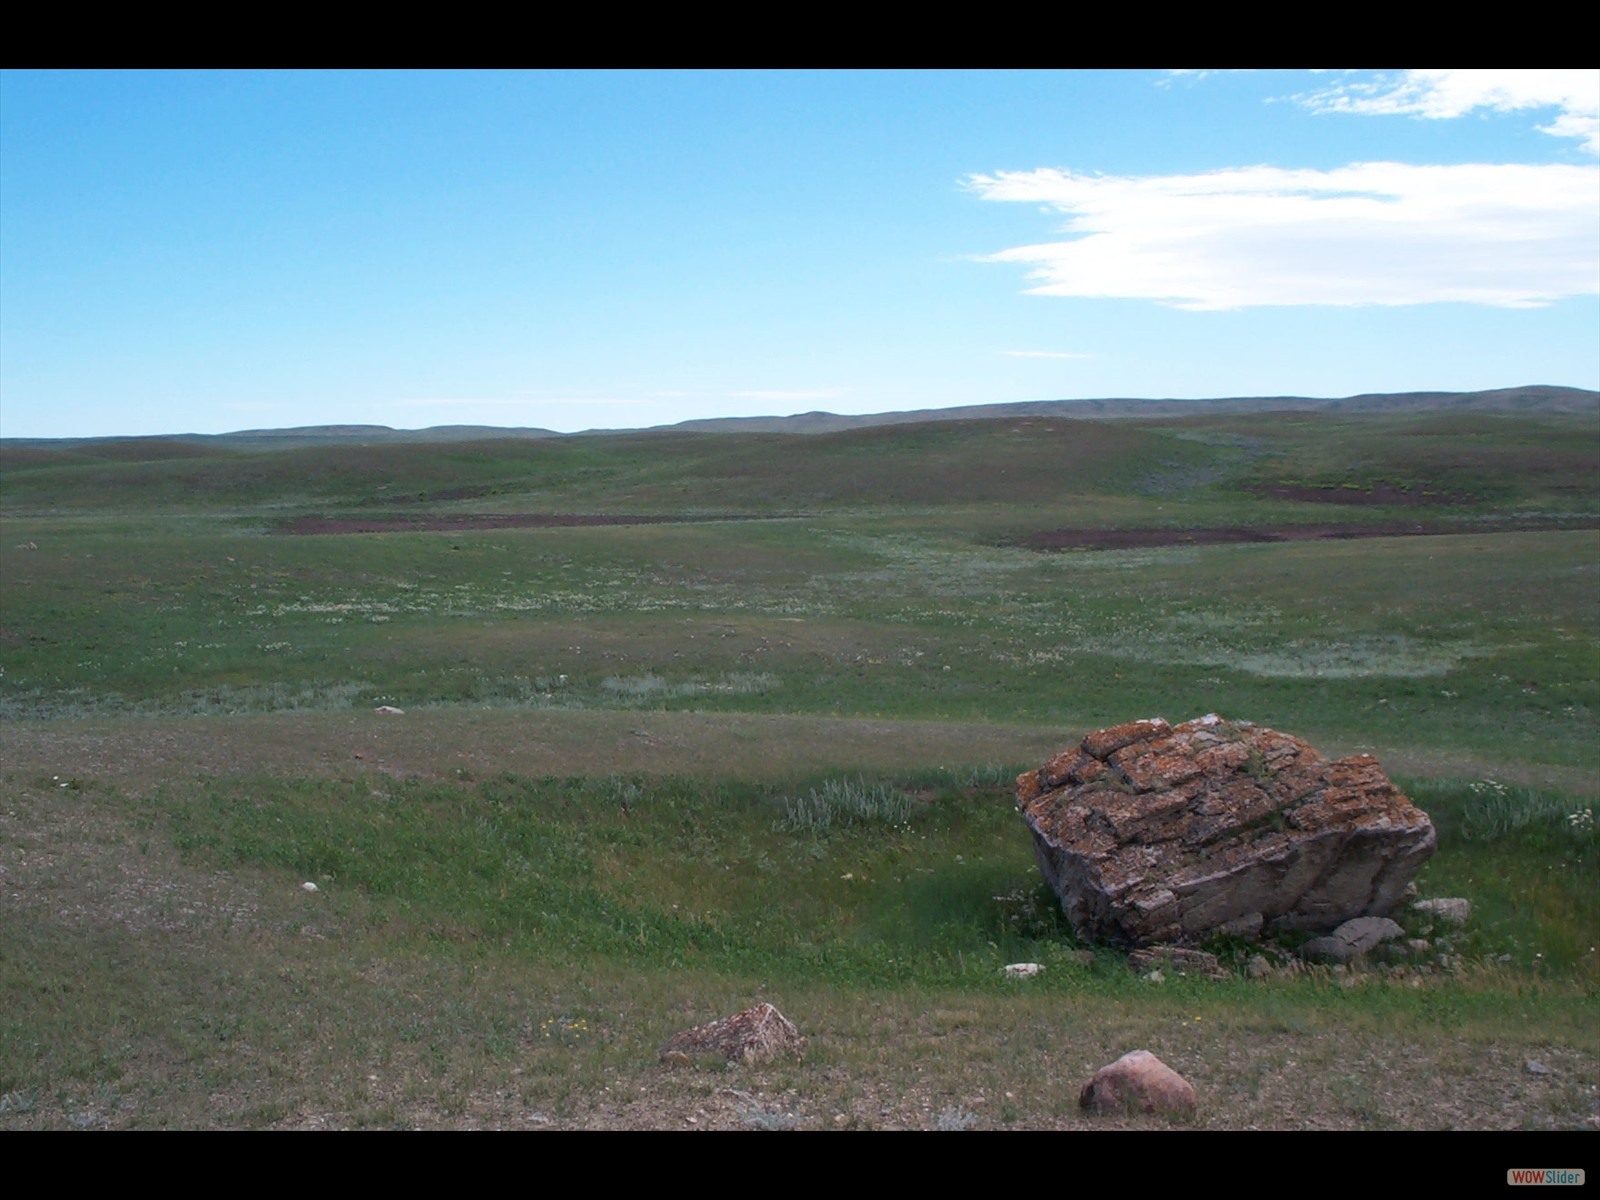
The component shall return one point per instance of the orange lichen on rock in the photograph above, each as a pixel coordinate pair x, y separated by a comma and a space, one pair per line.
1151, 833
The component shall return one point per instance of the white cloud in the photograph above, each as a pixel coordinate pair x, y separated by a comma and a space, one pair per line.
1440, 94
1366, 234
1042, 354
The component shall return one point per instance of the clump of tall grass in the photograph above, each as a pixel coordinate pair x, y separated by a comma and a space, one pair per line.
649, 686
988, 775
845, 802
1497, 811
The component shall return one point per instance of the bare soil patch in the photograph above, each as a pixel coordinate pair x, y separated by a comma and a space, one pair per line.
1136, 539
135, 754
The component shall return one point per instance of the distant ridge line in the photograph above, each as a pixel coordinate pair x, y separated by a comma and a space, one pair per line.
1532, 399
1537, 398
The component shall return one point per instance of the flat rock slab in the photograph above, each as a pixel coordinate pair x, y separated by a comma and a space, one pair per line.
1180, 960
1352, 939
1154, 833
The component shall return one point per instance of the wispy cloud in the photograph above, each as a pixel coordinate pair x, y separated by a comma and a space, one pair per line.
1443, 94
1511, 236
1042, 354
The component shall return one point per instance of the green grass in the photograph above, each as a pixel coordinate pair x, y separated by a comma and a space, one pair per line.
1530, 861
649, 774
456, 924
919, 880
818, 618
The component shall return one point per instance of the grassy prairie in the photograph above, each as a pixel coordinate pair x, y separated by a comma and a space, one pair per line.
648, 774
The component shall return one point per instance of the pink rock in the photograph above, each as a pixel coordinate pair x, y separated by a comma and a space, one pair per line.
1138, 1082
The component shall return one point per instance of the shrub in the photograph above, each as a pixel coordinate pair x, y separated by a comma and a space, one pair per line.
845, 802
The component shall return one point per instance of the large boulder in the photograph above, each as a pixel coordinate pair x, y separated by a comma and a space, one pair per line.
1150, 832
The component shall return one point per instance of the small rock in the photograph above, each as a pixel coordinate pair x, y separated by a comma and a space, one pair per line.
390, 709
1351, 940
1534, 1067
308, 886
1177, 958
1138, 1081
1453, 910
1022, 970
1257, 967
1322, 949
758, 1034
1363, 933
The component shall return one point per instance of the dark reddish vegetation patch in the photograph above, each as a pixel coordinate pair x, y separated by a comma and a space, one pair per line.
1133, 539
1377, 493
454, 521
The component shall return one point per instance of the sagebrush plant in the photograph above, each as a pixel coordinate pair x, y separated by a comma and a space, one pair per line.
954, 1118
754, 1114
846, 802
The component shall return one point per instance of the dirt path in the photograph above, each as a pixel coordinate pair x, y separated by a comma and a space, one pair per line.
423, 522
464, 742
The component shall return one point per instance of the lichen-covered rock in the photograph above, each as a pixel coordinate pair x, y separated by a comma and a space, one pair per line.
1181, 960
1150, 832
757, 1035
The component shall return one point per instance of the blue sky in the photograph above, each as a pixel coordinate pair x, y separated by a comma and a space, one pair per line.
203, 252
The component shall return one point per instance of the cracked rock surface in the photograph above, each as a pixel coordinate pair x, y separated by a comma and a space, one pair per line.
1150, 832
